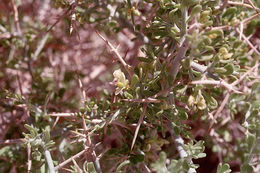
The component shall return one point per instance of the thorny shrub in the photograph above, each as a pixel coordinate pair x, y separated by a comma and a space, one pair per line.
181, 92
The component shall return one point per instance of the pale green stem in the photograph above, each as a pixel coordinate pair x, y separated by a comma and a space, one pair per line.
49, 161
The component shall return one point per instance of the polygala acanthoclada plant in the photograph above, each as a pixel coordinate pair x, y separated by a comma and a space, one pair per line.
130, 86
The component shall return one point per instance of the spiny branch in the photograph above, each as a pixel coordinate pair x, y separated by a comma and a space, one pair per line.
138, 126
218, 83
221, 107
146, 100
115, 51
69, 160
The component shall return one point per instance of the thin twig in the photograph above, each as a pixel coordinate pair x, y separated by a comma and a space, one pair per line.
19, 84
214, 82
127, 24
146, 100
16, 18
253, 6
69, 160
138, 126
62, 114
228, 95
77, 166
244, 75
177, 60
55, 122
198, 67
183, 46
248, 42
221, 107
49, 161
243, 4
29, 160
88, 144
179, 142
40, 46
83, 92
11, 141
119, 57
163, 92
72, 6
245, 21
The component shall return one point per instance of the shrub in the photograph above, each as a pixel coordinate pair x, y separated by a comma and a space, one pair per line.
186, 91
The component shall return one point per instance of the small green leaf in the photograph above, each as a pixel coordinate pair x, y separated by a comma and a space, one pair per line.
195, 10
171, 14
229, 11
159, 113
251, 140
217, 32
220, 70
206, 57
201, 155
210, 48
229, 69
136, 158
91, 167
143, 59
46, 135
160, 165
183, 115
128, 95
134, 80
189, 3
223, 168
126, 162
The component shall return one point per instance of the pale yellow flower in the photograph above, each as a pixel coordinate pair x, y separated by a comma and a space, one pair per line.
121, 81
199, 101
